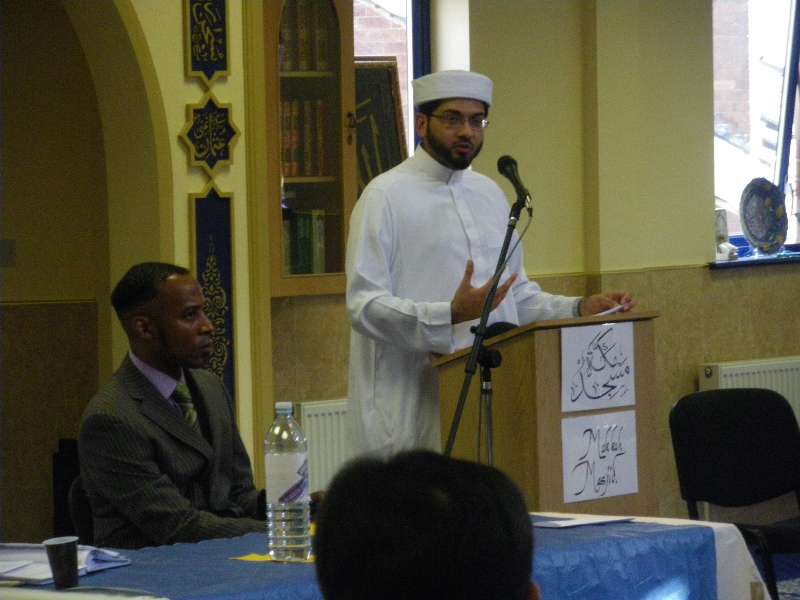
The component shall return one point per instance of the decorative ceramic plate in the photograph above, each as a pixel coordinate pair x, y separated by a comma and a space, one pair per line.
763, 214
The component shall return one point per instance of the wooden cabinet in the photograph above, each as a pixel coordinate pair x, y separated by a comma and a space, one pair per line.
311, 170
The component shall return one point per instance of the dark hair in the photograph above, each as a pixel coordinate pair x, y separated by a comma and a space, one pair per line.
140, 285
423, 526
428, 108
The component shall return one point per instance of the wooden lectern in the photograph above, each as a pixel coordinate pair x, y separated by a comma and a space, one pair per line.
527, 413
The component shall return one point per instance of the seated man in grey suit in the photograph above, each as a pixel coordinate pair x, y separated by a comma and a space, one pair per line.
424, 526
159, 468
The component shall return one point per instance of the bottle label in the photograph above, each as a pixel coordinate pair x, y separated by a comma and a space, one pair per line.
287, 477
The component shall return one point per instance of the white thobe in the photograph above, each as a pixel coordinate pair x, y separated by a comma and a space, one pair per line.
411, 233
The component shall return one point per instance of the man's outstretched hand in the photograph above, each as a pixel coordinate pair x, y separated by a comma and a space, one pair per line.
468, 301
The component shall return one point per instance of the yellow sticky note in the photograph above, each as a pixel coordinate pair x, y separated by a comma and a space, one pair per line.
268, 558
254, 557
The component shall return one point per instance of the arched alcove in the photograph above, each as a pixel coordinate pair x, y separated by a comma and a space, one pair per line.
135, 141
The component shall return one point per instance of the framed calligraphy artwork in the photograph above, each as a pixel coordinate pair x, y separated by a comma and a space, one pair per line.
206, 39
211, 227
380, 134
209, 134
597, 367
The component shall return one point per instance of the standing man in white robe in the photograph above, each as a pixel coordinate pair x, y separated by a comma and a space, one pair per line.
424, 241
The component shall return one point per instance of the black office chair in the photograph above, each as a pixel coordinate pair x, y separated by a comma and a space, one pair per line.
65, 470
738, 447
80, 511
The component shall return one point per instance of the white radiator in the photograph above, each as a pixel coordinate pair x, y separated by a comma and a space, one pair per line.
781, 374
325, 424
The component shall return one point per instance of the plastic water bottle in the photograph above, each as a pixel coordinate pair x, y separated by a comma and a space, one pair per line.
288, 501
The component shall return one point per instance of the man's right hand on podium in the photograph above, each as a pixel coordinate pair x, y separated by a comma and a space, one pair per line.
601, 303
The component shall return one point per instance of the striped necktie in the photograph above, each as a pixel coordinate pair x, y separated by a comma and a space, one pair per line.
183, 397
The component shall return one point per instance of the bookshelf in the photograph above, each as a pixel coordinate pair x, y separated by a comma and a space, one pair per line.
311, 169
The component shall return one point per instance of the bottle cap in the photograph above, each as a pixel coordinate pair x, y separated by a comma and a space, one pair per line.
283, 407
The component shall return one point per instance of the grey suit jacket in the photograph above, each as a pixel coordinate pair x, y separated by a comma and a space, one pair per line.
151, 479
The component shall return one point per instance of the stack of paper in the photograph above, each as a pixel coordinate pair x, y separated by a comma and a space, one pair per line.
28, 562
579, 520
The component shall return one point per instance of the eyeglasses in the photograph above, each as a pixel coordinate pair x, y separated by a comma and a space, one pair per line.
454, 120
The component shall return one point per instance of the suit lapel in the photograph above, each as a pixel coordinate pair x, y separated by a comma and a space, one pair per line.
159, 410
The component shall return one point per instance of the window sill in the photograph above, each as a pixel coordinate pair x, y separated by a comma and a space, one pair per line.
747, 258
782, 257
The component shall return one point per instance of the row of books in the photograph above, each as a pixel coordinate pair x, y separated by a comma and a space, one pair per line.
303, 150
304, 36
304, 241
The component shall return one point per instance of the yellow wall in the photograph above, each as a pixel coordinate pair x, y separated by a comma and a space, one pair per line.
138, 226
535, 117
655, 125
48, 97
607, 108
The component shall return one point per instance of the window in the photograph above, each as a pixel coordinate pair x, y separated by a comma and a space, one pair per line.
751, 38
383, 28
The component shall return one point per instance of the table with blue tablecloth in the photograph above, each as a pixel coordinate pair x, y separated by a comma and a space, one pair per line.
644, 559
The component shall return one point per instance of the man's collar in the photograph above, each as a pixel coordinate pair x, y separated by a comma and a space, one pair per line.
164, 383
434, 169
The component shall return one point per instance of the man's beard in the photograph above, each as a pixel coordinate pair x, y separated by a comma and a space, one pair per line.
445, 156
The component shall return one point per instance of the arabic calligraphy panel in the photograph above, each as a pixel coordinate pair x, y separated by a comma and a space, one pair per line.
597, 367
209, 134
212, 244
206, 39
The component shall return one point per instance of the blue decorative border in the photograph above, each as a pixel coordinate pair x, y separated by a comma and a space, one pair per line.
206, 38
213, 262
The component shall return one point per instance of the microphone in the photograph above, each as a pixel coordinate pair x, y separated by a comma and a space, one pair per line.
507, 167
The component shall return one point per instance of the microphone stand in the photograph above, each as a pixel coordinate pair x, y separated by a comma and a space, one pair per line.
480, 334
488, 359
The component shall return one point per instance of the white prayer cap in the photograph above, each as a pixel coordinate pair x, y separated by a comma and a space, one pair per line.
452, 84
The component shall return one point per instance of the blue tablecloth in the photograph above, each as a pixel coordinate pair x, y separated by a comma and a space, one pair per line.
626, 561
205, 571
619, 561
